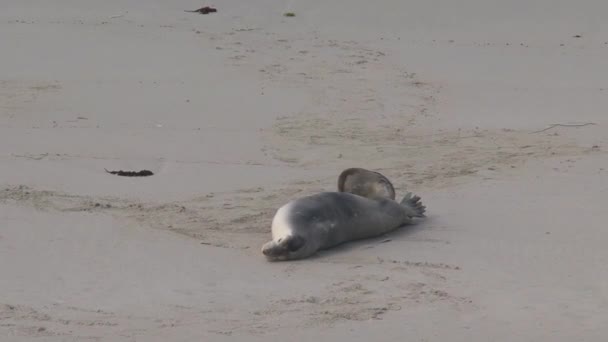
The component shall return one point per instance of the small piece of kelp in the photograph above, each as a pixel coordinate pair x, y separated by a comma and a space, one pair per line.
204, 10
142, 173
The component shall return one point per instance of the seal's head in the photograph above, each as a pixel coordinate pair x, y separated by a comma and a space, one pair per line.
285, 248
365, 183
288, 242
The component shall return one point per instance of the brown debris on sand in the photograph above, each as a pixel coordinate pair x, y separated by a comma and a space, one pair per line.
204, 10
142, 173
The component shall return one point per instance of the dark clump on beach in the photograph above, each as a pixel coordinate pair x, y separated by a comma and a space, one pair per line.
204, 10
142, 173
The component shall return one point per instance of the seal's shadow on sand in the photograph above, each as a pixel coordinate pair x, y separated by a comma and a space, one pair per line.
397, 235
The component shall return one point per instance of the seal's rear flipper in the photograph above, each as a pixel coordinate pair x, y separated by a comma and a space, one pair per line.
412, 203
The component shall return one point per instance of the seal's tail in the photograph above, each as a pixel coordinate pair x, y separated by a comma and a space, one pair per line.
413, 204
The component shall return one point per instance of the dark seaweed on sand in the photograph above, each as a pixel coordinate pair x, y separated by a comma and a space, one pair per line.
142, 173
204, 10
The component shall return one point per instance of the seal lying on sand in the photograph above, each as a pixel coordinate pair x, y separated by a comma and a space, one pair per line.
305, 225
365, 183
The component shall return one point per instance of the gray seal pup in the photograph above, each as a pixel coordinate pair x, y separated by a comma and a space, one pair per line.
308, 224
365, 183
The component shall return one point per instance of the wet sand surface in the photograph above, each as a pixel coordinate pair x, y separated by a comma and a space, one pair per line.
493, 112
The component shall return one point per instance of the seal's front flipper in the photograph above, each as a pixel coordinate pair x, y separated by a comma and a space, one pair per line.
413, 205
366, 183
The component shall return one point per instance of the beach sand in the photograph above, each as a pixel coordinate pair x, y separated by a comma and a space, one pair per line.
494, 112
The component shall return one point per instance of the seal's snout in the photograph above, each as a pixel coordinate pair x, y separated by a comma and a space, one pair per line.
267, 248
